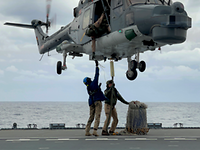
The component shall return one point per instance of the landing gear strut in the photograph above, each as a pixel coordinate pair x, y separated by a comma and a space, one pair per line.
59, 64
131, 73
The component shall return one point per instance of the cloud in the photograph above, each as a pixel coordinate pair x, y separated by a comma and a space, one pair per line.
183, 57
1, 72
12, 69
42, 72
36, 10
172, 73
16, 60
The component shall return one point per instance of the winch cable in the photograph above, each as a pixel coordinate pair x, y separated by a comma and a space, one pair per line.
112, 73
102, 68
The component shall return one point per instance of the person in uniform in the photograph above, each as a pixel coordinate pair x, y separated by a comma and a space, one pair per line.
96, 30
96, 97
115, 96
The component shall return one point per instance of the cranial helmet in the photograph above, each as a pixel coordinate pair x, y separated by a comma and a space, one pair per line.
87, 81
109, 82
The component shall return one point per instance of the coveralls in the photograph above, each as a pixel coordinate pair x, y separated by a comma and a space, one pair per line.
107, 107
94, 101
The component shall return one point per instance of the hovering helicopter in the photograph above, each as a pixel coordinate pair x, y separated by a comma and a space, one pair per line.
136, 26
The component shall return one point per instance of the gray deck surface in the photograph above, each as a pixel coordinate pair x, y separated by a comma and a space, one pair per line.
157, 139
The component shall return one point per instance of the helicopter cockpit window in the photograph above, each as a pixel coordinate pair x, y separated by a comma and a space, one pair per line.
118, 7
86, 19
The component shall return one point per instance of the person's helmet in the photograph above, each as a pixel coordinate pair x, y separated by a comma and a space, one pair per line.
87, 81
109, 82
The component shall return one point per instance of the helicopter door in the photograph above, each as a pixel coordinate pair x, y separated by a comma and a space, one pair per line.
116, 14
86, 20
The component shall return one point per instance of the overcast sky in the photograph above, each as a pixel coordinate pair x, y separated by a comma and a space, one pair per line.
172, 75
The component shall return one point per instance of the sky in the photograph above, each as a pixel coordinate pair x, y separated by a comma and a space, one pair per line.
172, 74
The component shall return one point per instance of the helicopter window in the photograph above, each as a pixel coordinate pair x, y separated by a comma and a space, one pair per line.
86, 19
129, 19
75, 9
70, 29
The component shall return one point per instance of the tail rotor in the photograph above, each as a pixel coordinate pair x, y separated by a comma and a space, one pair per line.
48, 23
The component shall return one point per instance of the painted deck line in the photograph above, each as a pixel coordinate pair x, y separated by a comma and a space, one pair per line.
101, 139
23, 140
67, 139
140, 139
180, 139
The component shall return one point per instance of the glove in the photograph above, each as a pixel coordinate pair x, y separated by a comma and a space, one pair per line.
96, 62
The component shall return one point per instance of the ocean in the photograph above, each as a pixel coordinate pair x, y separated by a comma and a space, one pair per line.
73, 113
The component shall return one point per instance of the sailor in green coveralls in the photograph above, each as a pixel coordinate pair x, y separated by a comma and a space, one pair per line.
116, 96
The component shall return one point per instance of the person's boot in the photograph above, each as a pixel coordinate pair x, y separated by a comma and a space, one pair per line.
111, 132
95, 133
104, 132
87, 134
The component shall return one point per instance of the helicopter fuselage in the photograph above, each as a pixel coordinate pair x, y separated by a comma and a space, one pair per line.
149, 26
136, 26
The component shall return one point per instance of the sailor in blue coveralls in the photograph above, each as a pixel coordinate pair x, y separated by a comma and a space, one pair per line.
96, 97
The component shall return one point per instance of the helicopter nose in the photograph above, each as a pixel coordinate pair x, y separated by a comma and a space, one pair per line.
172, 26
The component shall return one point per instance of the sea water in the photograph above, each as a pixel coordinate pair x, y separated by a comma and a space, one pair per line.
73, 113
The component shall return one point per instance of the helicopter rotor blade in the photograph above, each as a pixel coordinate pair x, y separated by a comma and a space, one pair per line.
20, 25
48, 24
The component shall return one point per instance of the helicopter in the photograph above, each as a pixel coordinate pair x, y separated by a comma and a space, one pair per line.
136, 26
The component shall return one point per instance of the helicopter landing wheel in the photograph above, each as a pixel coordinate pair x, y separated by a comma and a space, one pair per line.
131, 75
142, 66
133, 65
59, 67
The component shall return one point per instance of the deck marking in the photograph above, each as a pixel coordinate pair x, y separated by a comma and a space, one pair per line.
101, 139
68, 139
23, 140
180, 139
62, 139
139, 139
